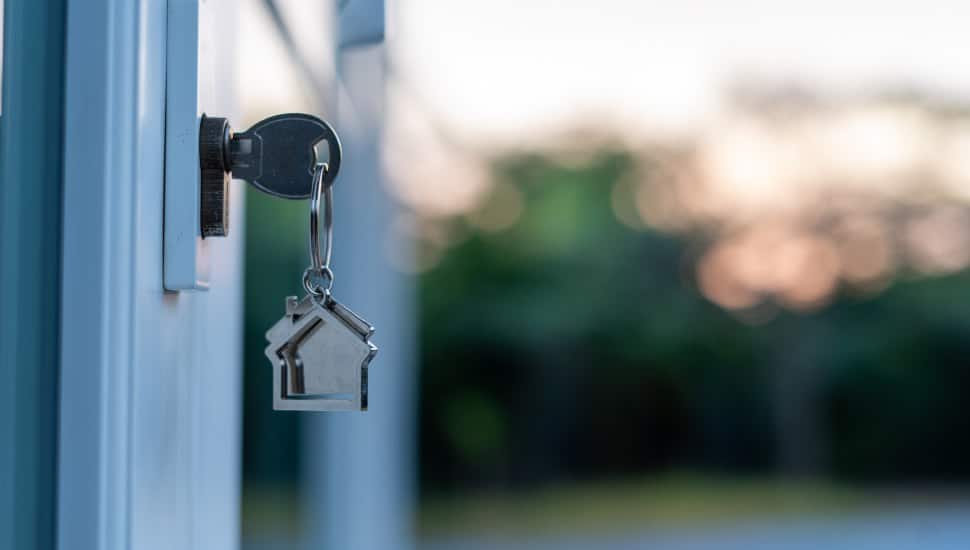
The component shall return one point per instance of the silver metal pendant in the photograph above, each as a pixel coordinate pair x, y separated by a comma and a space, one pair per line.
320, 351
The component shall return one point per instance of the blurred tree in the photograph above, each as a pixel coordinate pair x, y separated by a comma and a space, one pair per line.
559, 343
576, 347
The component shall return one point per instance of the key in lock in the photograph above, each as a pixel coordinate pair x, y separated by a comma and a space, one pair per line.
276, 155
320, 350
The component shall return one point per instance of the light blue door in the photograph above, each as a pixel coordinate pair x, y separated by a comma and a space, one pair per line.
149, 434
120, 424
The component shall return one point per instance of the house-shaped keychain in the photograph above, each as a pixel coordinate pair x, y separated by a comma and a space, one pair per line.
320, 351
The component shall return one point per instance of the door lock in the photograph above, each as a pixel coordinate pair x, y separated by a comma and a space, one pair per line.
277, 155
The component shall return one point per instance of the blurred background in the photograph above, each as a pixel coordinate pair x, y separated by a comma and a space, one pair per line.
644, 274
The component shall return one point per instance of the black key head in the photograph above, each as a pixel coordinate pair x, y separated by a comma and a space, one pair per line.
278, 154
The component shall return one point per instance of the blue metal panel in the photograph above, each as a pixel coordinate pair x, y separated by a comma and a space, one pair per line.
30, 207
361, 22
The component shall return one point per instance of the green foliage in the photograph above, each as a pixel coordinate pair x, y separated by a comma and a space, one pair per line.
581, 348
275, 259
569, 346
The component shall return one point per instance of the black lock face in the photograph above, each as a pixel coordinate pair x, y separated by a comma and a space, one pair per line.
214, 191
278, 154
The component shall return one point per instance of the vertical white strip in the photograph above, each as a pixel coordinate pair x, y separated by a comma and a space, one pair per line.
96, 299
149, 435
188, 81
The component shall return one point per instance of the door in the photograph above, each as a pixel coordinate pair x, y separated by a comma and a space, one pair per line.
122, 399
149, 438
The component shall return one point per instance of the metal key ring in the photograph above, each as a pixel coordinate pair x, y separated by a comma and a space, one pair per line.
320, 256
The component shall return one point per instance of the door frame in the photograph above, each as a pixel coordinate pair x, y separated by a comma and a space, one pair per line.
100, 145
150, 403
30, 234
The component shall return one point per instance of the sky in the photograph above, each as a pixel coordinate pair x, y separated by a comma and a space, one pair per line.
506, 69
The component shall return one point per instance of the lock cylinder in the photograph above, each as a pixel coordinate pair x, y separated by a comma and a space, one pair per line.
214, 171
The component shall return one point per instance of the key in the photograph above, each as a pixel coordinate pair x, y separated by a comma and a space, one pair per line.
320, 351
278, 154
